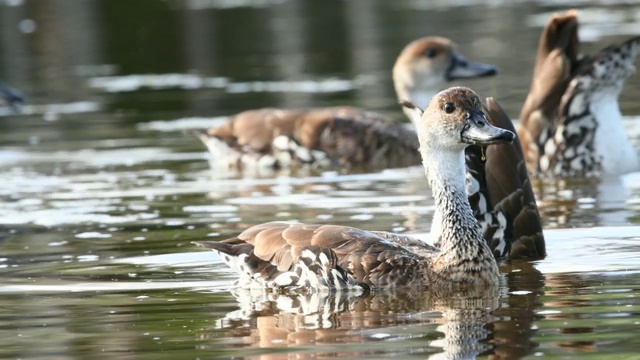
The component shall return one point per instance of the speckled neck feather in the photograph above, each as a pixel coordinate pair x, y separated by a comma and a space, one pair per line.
458, 232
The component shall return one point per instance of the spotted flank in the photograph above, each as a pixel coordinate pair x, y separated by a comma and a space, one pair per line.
287, 151
314, 269
283, 152
303, 263
571, 124
320, 138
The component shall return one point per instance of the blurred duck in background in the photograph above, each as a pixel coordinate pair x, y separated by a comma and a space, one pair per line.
570, 124
342, 136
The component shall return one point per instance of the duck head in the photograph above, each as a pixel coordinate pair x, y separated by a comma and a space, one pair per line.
454, 120
427, 64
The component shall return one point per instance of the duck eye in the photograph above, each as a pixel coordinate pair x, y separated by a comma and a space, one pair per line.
430, 53
448, 108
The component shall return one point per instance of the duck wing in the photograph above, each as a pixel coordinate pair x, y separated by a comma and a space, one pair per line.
279, 254
344, 136
501, 196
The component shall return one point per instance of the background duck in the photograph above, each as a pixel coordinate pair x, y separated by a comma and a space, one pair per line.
343, 136
284, 255
570, 124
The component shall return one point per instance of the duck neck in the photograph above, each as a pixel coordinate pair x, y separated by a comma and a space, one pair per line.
457, 228
611, 142
419, 95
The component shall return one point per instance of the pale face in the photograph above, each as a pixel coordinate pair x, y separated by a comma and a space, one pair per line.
423, 64
455, 119
427, 64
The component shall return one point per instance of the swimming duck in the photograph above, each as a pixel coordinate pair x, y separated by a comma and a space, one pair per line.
287, 255
570, 124
344, 136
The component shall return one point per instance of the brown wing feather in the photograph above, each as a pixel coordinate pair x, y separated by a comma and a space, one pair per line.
510, 191
503, 161
505, 184
349, 136
560, 32
370, 258
364, 138
256, 128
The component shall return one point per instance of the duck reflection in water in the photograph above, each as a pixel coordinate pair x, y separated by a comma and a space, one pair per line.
497, 323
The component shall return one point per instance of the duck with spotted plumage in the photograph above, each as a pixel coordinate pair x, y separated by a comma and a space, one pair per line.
342, 136
570, 124
290, 255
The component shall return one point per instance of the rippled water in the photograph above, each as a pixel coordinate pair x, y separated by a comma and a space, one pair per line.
102, 191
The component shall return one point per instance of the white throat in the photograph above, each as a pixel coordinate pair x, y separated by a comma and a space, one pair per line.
443, 167
445, 172
419, 95
420, 98
611, 141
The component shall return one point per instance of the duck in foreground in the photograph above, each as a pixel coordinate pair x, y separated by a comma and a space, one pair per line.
570, 124
342, 136
285, 255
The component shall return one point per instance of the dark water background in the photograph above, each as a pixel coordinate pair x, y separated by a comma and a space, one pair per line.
101, 192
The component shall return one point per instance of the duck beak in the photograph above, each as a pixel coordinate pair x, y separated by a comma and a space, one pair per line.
477, 130
460, 69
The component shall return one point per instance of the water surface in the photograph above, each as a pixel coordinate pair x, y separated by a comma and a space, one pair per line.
102, 191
